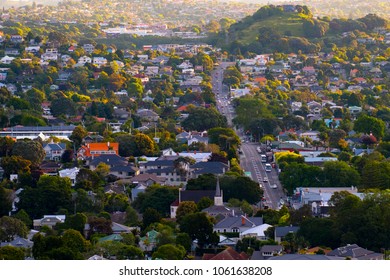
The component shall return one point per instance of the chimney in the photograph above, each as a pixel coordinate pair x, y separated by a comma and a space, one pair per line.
242, 220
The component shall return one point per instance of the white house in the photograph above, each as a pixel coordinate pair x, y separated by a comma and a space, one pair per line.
99, 61
258, 232
7, 59
70, 173
84, 59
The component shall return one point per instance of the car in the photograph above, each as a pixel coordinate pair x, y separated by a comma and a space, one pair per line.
274, 186
265, 179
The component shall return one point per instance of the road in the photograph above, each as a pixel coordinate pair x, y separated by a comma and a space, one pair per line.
249, 159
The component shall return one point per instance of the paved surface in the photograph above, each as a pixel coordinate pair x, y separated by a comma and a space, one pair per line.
250, 159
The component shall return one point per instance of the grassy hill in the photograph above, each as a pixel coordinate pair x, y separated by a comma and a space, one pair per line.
286, 24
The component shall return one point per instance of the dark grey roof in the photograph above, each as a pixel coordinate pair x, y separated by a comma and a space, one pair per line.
272, 249
292, 257
112, 160
159, 163
283, 231
41, 128
124, 168
56, 147
195, 195
354, 251
210, 167
165, 170
231, 222
18, 242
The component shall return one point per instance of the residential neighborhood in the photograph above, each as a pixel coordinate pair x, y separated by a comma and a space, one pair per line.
185, 140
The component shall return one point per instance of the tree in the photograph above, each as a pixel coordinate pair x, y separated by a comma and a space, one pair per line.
289, 157
204, 203
376, 174
131, 217
99, 225
367, 124
63, 106
150, 216
11, 253
6, 145
339, 173
29, 150
10, 228
201, 119
319, 232
51, 194
156, 197
185, 208
184, 240
144, 145
24, 217
198, 226
78, 135
169, 252
73, 240
14, 165
5, 201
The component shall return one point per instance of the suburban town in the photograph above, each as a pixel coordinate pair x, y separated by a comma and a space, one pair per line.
194, 130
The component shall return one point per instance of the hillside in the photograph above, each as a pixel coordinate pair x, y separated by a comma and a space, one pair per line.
289, 28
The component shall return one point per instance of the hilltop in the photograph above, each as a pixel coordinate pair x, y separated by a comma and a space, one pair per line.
287, 28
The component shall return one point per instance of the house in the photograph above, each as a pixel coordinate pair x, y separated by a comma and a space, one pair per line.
124, 171
97, 149
48, 220
309, 70
88, 48
50, 168
84, 59
70, 173
11, 51
208, 167
281, 232
18, 242
16, 39
197, 139
258, 232
7, 59
267, 251
54, 151
227, 254
33, 132
303, 257
237, 224
148, 179
175, 176
149, 241
148, 115
353, 251
99, 61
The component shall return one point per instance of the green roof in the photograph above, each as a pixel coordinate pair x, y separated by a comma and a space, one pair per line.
112, 237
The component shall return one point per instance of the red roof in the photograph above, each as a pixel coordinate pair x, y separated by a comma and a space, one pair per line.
227, 254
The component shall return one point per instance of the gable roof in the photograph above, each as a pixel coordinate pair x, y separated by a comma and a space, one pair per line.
112, 160
354, 251
227, 254
196, 195
283, 231
241, 221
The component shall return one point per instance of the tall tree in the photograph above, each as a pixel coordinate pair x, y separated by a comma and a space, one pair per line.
29, 150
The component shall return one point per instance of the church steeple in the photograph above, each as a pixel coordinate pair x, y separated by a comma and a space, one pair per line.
218, 198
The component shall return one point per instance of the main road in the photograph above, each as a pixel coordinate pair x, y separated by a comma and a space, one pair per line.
250, 160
